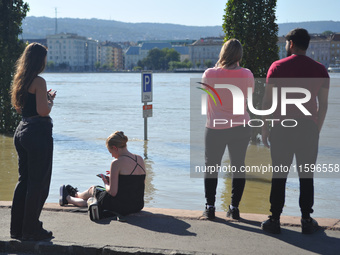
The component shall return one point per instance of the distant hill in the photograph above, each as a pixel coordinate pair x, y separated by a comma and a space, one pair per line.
39, 27
317, 27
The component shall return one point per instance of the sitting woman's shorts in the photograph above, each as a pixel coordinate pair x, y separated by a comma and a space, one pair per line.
116, 204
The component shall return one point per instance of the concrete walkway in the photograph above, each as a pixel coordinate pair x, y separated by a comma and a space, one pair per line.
168, 231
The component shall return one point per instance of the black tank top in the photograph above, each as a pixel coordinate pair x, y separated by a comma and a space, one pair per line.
130, 195
131, 187
30, 107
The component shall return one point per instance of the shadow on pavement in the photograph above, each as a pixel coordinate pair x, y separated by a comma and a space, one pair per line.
318, 242
160, 223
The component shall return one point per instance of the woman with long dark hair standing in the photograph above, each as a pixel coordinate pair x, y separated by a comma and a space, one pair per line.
33, 142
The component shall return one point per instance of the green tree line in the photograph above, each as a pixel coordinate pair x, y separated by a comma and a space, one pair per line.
163, 59
159, 59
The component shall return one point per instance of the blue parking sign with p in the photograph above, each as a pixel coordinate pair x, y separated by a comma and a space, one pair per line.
147, 82
146, 87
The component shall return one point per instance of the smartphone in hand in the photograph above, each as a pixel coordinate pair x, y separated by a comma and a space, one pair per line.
105, 176
51, 94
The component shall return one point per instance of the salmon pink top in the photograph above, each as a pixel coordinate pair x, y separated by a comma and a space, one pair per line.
223, 115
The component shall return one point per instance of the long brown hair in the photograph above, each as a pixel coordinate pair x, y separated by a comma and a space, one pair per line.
231, 53
28, 66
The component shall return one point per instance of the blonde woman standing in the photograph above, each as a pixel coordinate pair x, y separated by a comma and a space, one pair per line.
234, 134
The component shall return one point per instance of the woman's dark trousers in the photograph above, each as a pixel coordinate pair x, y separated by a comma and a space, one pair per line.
34, 144
216, 140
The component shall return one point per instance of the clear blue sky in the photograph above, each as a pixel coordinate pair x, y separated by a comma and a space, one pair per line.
184, 12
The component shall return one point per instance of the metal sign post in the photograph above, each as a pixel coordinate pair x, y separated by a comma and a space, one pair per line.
146, 97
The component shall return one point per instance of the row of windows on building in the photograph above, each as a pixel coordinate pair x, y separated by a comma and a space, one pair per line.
324, 49
78, 53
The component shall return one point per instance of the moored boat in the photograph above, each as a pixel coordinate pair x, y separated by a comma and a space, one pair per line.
334, 69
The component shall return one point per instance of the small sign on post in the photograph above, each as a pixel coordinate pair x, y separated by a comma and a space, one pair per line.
147, 110
146, 97
146, 87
